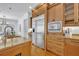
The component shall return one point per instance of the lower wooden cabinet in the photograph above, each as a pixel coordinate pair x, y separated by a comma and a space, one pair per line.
23, 49
63, 46
55, 45
72, 47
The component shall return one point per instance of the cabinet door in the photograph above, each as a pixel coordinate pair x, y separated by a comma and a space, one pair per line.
51, 14
59, 12
71, 14
72, 47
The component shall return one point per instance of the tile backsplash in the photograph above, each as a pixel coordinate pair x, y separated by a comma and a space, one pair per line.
74, 29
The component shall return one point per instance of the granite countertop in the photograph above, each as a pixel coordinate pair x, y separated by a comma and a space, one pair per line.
15, 41
12, 36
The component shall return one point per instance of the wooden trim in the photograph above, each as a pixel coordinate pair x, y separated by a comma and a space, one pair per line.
76, 13
63, 14
30, 22
38, 6
53, 5
46, 26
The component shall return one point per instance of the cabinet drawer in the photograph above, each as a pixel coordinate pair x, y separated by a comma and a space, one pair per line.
60, 39
58, 43
72, 42
55, 43
59, 51
55, 38
55, 46
55, 49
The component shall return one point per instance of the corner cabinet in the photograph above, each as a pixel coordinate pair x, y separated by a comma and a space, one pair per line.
71, 14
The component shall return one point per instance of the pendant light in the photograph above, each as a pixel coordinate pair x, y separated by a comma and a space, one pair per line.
4, 20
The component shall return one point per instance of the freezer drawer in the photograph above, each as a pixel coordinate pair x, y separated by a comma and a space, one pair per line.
34, 38
40, 40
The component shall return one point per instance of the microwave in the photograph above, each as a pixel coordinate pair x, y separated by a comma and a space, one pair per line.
55, 26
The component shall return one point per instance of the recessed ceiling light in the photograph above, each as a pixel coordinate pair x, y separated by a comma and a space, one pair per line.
30, 7
10, 8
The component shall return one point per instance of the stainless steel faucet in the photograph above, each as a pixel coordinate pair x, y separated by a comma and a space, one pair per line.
5, 34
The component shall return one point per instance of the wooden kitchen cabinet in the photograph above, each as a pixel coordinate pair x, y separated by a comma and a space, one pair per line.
51, 14
68, 13
59, 12
23, 49
71, 14
55, 44
55, 12
71, 47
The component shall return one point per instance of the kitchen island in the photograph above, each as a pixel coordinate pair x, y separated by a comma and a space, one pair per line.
18, 47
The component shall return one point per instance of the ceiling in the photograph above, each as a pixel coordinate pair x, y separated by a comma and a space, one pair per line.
15, 10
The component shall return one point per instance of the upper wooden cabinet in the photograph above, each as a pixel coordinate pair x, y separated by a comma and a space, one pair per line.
71, 14
59, 12
55, 12
51, 14
68, 13
40, 9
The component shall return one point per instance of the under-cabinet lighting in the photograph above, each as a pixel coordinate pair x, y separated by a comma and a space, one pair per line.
30, 30
0, 37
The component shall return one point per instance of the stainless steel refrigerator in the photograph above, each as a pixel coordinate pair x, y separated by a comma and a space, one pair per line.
38, 31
